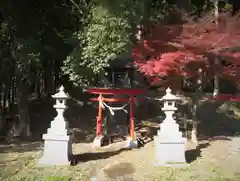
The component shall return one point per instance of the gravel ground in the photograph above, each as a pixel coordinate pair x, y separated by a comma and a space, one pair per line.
220, 157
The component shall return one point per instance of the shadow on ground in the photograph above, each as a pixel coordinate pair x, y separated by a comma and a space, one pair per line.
21, 147
192, 154
85, 157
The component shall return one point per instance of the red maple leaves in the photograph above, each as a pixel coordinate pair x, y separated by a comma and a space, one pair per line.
170, 63
181, 49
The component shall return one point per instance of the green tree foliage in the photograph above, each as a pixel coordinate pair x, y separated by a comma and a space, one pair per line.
32, 40
109, 30
38, 37
106, 35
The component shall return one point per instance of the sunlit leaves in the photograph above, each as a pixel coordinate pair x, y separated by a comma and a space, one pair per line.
180, 50
107, 33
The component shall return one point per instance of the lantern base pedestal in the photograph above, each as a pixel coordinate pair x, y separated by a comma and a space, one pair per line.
57, 150
132, 143
98, 141
170, 152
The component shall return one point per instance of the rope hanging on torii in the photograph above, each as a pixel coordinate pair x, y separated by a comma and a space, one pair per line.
102, 104
112, 109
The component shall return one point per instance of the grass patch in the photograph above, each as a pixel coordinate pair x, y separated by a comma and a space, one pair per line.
35, 178
75, 174
219, 178
57, 178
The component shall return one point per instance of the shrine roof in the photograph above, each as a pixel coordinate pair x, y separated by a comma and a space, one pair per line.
121, 62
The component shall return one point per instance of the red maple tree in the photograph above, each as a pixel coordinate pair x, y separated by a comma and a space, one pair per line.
177, 51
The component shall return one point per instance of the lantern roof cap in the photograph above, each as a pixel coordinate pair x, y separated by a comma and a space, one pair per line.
169, 96
61, 94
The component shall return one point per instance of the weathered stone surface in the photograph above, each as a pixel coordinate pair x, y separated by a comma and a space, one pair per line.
170, 152
169, 143
56, 151
98, 141
132, 143
57, 142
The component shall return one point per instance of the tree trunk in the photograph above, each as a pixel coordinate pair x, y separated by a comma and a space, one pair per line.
48, 78
42, 88
24, 124
216, 10
5, 98
37, 88
216, 61
9, 100
1, 99
216, 89
13, 90
216, 85
195, 103
194, 131
57, 70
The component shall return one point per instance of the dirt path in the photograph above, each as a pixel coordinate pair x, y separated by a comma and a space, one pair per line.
220, 158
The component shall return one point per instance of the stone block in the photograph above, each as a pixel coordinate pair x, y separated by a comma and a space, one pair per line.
57, 150
170, 152
132, 143
98, 141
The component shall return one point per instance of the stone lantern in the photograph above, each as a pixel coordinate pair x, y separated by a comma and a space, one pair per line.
57, 142
169, 142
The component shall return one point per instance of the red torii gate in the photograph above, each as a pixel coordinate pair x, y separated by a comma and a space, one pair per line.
101, 99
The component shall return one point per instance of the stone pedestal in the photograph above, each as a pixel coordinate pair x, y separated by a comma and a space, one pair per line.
170, 152
169, 142
98, 141
57, 150
57, 141
132, 143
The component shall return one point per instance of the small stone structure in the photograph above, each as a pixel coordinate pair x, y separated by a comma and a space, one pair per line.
57, 142
169, 142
